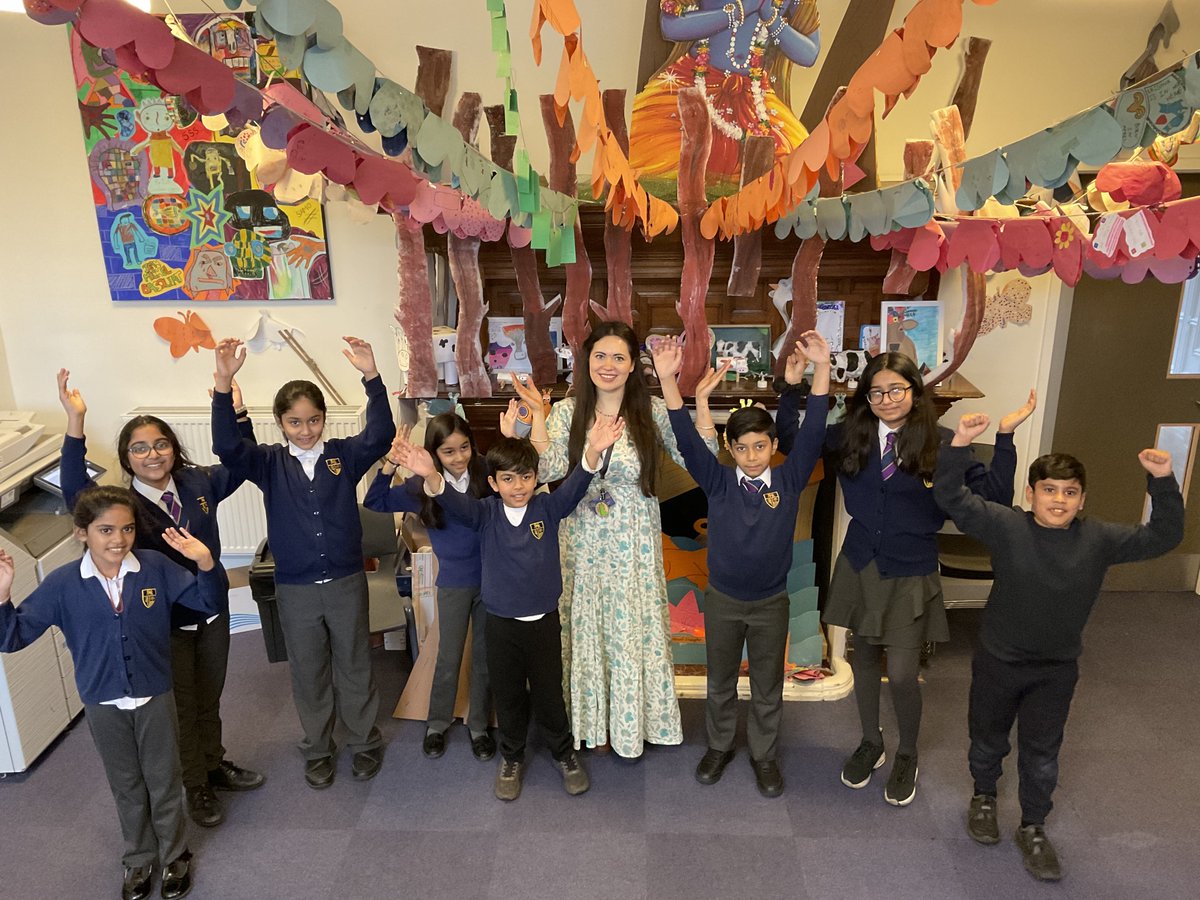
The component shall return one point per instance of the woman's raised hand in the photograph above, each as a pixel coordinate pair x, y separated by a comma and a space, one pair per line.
605, 432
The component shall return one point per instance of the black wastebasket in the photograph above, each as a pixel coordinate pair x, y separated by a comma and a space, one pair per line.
262, 588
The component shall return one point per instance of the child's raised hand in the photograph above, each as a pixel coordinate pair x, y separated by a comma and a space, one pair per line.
813, 346
605, 432
508, 419
181, 541
1010, 422
709, 381
70, 398
414, 458
1156, 462
361, 356
401, 438
8, 571
970, 426
667, 353
793, 371
230, 354
234, 389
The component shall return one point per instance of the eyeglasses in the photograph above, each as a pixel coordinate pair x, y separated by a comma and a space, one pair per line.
140, 451
894, 393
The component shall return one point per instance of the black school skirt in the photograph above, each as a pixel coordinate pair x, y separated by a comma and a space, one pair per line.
904, 612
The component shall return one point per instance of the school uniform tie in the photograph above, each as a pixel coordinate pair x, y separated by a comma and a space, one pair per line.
887, 462
172, 505
753, 485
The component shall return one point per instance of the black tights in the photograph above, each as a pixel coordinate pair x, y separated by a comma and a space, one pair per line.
906, 692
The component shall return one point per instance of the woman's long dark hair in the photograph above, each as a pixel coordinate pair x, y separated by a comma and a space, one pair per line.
917, 440
437, 431
126, 435
635, 406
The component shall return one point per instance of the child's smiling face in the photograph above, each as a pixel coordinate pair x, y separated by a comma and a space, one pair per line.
109, 538
1055, 501
454, 453
302, 423
515, 488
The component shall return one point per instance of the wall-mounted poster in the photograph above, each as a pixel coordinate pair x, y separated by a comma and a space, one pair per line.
182, 216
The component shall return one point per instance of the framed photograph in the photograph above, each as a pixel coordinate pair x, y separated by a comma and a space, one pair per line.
831, 322
506, 351
868, 339
751, 343
914, 328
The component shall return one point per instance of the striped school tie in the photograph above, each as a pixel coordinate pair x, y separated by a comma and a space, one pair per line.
753, 485
888, 460
172, 505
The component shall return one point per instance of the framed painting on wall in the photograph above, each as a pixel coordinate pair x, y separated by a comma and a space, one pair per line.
914, 328
751, 343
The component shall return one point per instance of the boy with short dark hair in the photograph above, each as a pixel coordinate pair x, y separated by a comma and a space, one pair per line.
522, 583
752, 512
1049, 566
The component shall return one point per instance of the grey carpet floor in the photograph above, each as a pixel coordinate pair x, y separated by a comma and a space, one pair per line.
1124, 820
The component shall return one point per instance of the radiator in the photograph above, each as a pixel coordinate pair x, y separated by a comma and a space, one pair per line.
241, 517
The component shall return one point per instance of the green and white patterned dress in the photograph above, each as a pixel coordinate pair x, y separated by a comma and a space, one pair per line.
618, 676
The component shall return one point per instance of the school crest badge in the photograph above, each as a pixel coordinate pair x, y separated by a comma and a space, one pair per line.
334, 466
203, 501
149, 595
771, 498
537, 529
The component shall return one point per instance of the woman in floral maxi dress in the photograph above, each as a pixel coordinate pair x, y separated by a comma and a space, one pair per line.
617, 668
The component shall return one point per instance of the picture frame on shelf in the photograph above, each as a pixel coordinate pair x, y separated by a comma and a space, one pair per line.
751, 343
914, 328
831, 323
506, 350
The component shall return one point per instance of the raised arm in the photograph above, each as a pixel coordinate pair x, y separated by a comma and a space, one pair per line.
995, 482
201, 592
697, 459
74, 449
1164, 531
464, 507
373, 441
971, 513
787, 419
241, 456
810, 439
21, 625
381, 496
552, 448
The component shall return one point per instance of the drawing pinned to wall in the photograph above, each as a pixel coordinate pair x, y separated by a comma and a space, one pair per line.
1008, 306
188, 332
172, 194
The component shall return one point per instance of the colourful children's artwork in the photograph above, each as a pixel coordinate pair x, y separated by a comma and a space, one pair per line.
914, 328
506, 350
182, 215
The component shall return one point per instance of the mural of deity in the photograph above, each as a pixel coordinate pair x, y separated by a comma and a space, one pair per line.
741, 53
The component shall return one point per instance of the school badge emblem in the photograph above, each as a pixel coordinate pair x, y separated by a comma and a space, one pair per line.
149, 595
538, 529
928, 483
772, 499
203, 501
334, 466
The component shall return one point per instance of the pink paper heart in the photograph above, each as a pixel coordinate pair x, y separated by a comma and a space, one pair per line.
517, 236
114, 23
1179, 229
385, 181
206, 82
1139, 183
310, 150
1026, 242
975, 242
52, 12
925, 251
1068, 245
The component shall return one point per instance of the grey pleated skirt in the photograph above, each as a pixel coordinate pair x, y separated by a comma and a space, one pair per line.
902, 612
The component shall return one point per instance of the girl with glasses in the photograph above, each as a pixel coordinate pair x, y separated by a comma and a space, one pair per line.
885, 586
171, 491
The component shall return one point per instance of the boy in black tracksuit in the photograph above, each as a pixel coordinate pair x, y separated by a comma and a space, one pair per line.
1049, 567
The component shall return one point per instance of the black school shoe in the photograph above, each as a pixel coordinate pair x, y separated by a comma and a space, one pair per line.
204, 807
434, 744
138, 882
767, 777
1041, 860
483, 747
902, 783
869, 756
712, 765
228, 777
177, 877
319, 772
367, 764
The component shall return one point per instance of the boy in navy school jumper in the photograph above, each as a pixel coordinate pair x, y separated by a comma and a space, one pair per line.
114, 609
522, 583
1049, 566
752, 512
315, 534
167, 484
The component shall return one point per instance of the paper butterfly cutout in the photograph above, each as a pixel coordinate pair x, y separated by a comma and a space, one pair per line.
189, 334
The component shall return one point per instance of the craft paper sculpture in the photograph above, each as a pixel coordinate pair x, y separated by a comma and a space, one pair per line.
170, 193
266, 334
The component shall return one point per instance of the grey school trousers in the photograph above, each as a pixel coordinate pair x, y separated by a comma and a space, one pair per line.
762, 626
329, 651
198, 662
140, 752
457, 608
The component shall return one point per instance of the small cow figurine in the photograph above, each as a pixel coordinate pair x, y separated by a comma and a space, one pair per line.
848, 366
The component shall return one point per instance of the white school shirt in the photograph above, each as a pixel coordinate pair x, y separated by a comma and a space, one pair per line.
308, 458
112, 587
154, 495
765, 477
